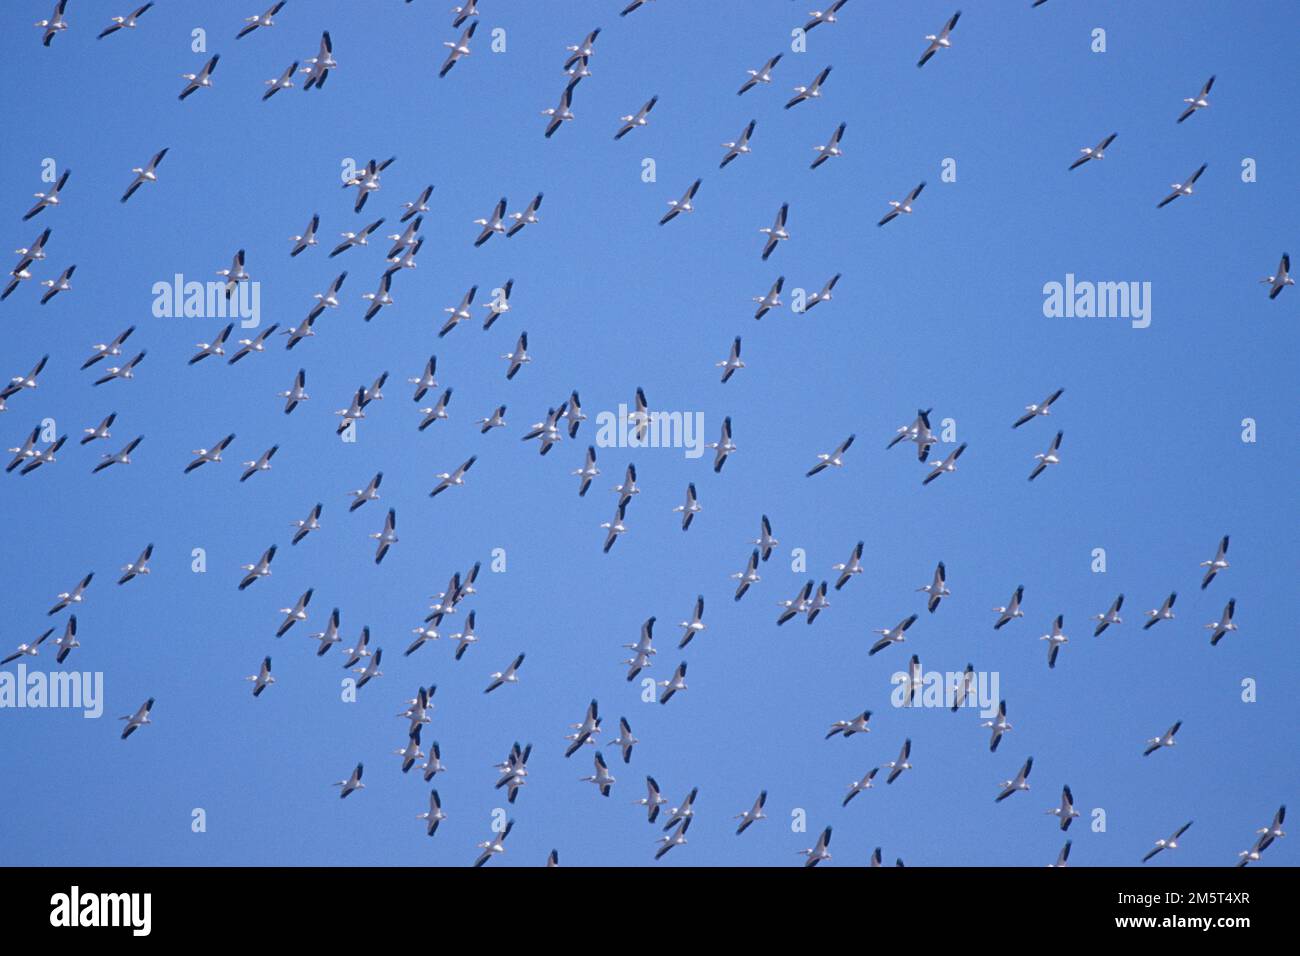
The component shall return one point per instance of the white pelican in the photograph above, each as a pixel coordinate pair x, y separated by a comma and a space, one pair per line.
810, 92
526, 218
824, 16
1093, 152
370, 669
858, 786
68, 640
1064, 855
122, 457
1065, 812
461, 313
138, 719
685, 204
1054, 640
831, 149
330, 636
318, 67
732, 362
411, 752
260, 20
770, 301
1168, 844
690, 509
748, 576
562, 112
919, 432
588, 471
1220, 627
902, 206
1164, 740
125, 372
352, 783
765, 541
261, 569
858, 725
420, 206
818, 853
1183, 188
213, 454
1021, 782
1110, 617
1049, 457
262, 463
776, 232
426, 379
146, 174
685, 813
676, 838
624, 741
76, 596
44, 456
753, 814
466, 637
282, 82
633, 120
695, 625
360, 238
762, 75
949, 464
652, 800
834, 460
499, 304
55, 24
1281, 279
508, 676
851, 567
127, 22
615, 527
292, 615
216, 347
1274, 830
740, 147
892, 635
61, 284
583, 50
939, 42
137, 567
29, 649
436, 413
673, 684
1198, 102
369, 493
1217, 564
896, 767
1012, 611
796, 605
517, 358
1033, 411
723, 447
262, 679
99, 431
585, 731
25, 451
379, 298
432, 762
602, 778
200, 80
937, 589
296, 392
467, 9
50, 198
493, 224
434, 815
999, 725
1163, 613
255, 344
817, 604
460, 48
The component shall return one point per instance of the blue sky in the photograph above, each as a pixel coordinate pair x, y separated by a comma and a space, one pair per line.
942, 309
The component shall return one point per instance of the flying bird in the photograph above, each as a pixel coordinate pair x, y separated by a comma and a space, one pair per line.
138, 719
260, 20
1012, 611
1170, 843
51, 198
200, 80
732, 363
127, 22
1198, 102
755, 813
824, 16
691, 507
1065, 812
261, 569
685, 204
892, 635
353, 782
55, 24
940, 41
902, 206
1111, 616
723, 447
1042, 408
1281, 279
818, 853
673, 684
896, 767
812, 91
318, 67
1220, 627
833, 460
637, 119
1093, 152
1049, 457
1164, 740
508, 676
137, 567
145, 174
740, 147
1163, 613
1021, 782
776, 232
948, 465
262, 679
1183, 188
999, 725
831, 149
602, 778
1218, 563
762, 75
1055, 638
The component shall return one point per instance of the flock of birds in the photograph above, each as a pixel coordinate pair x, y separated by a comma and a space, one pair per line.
562, 421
